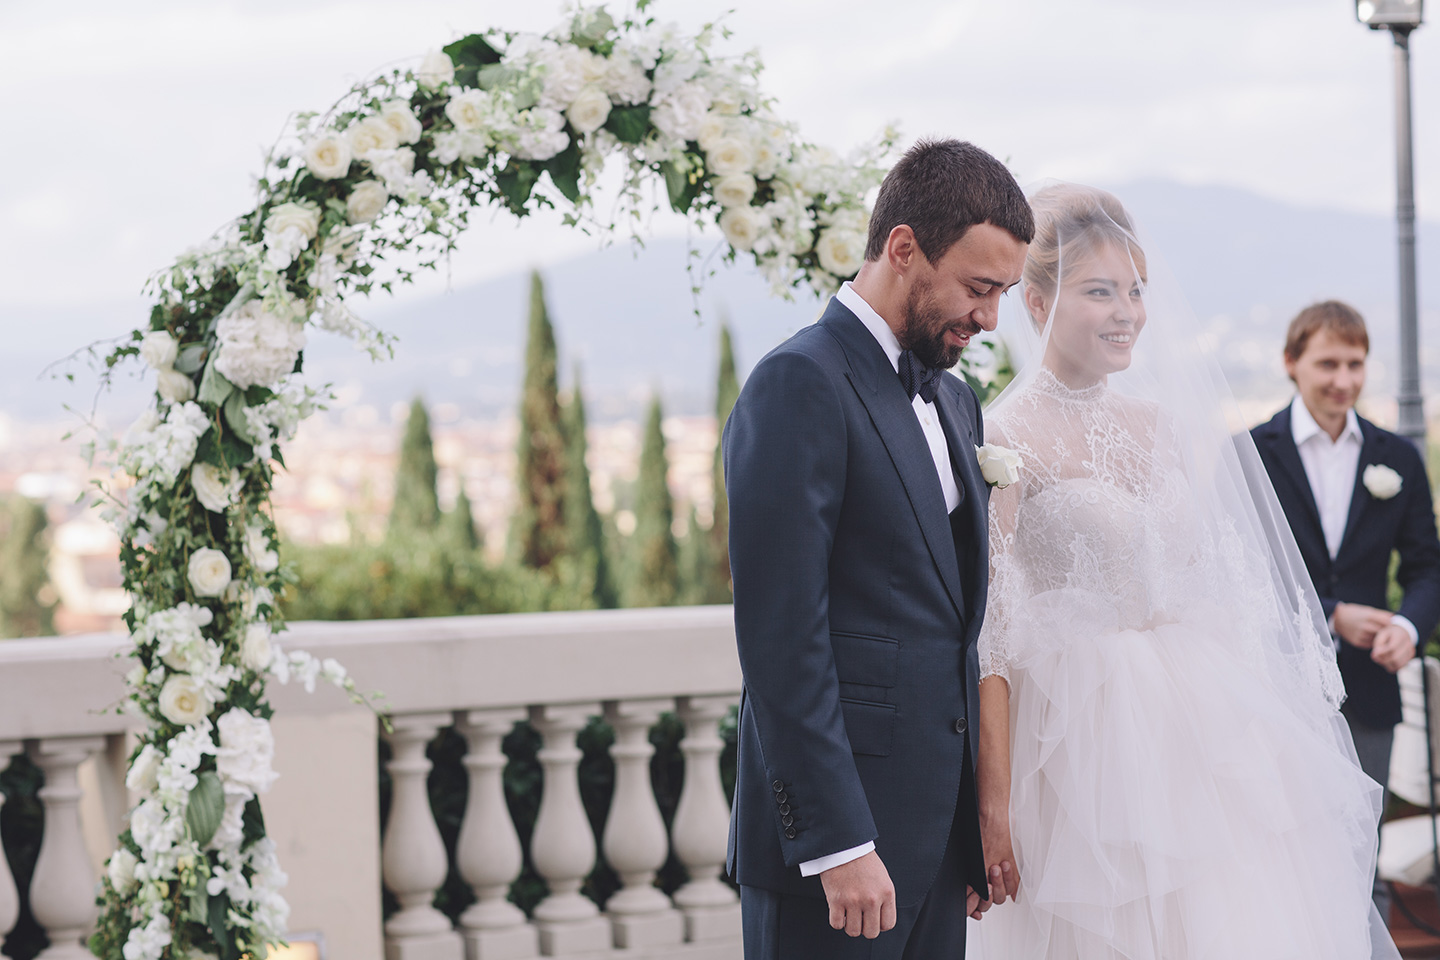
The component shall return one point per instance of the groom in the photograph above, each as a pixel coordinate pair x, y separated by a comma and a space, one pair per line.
1354, 494
859, 557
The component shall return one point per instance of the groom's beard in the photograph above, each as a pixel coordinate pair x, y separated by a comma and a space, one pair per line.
924, 329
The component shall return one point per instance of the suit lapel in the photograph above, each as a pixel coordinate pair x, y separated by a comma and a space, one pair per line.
1360, 497
962, 443
890, 411
1282, 445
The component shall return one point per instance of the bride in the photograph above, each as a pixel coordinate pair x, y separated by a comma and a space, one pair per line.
1163, 770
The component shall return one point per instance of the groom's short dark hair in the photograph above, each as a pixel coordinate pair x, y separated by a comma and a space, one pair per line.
940, 189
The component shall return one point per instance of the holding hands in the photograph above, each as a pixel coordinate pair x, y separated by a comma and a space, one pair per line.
1373, 629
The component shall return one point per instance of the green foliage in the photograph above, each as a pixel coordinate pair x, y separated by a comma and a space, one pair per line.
696, 563
25, 611
417, 506
727, 391
538, 535
654, 557
988, 380
459, 524
585, 531
469, 54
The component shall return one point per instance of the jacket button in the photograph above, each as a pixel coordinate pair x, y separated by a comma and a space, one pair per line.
781, 797
784, 809
777, 786
960, 725
789, 833
787, 820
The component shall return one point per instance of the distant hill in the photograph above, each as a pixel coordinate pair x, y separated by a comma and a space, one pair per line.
626, 315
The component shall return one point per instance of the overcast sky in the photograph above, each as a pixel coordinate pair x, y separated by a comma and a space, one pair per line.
133, 129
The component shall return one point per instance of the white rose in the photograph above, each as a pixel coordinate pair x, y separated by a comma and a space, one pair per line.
712, 130
255, 649
159, 349
1000, 466
730, 155
174, 386
121, 870
767, 159
304, 217
328, 157
257, 348
468, 110
144, 769
1382, 482
436, 70
841, 252
736, 190
589, 111
741, 226
257, 549
209, 572
372, 133
366, 201
183, 701
402, 120
216, 491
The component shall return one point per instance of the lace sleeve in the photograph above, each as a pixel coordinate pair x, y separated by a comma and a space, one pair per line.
1007, 578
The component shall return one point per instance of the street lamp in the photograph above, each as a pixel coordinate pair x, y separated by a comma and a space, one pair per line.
1400, 17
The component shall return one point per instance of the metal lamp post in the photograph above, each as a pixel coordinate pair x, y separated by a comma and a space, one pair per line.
1400, 17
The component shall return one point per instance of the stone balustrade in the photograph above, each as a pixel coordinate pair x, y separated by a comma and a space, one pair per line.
480, 675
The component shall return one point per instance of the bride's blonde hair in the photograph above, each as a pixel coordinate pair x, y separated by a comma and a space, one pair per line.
1080, 220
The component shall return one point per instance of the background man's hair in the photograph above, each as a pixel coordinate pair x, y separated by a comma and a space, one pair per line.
940, 189
1338, 319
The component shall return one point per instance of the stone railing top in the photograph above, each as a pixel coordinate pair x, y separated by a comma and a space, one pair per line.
64, 686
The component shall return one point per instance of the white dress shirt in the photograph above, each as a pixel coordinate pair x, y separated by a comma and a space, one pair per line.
939, 450
1331, 467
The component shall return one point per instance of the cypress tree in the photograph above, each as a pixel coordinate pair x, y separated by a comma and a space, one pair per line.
459, 523
23, 575
655, 573
697, 566
417, 506
537, 532
582, 520
727, 390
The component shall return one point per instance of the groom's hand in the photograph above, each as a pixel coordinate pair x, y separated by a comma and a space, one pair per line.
1358, 624
1393, 648
861, 896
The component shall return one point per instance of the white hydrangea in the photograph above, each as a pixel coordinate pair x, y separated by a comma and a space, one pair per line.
625, 79
148, 942
541, 134
144, 770
680, 114
564, 70
160, 452
247, 752
121, 870
257, 348
176, 632
153, 829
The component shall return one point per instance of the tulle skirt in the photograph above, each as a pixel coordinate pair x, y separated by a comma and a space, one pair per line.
1166, 803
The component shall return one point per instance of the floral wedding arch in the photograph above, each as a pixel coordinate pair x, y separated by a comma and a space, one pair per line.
396, 167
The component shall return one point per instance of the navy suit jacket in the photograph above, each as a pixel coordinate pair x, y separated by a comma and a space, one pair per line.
857, 605
1359, 572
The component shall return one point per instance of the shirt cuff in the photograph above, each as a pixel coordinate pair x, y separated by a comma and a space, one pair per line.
1404, 622
820, 864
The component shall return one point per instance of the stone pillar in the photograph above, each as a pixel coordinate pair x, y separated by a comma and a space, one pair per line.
489, 852
62, 890
563, 847
702, 823
413, 855
635, 841
9, 896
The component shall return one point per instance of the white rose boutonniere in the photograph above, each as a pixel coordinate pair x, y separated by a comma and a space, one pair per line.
209, 572
1382, 482
1000, 466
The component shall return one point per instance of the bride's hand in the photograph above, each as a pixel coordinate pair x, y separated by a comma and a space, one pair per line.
1000, 866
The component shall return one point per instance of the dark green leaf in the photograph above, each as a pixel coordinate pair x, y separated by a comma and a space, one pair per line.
469, 54
253, 822
516, 182
630, 124
494, 75
235, 416
206, 807
220, 927
564, 170
678, 185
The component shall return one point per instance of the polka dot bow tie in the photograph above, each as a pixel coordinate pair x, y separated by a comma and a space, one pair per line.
915, 377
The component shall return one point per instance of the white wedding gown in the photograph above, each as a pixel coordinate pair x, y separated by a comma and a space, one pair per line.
1169, 799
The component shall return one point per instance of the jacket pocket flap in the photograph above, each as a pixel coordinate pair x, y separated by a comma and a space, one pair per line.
870, 726
873, 661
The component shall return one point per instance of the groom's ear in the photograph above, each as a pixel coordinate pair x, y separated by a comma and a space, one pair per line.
902, 250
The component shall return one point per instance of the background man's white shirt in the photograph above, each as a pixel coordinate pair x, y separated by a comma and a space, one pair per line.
939, 452
1331, 467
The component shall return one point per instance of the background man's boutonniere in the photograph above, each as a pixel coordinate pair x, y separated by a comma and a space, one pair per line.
1000, 466
1382, 482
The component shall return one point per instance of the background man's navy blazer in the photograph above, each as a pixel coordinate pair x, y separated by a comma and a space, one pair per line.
1358, 574
857, 605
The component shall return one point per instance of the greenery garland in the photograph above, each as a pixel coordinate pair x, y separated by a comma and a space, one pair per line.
396, 167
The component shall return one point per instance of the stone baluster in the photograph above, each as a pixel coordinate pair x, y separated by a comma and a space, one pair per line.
702, 819
413, 855
635, 841
62, 889
9, 896
563, 846
489, 853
